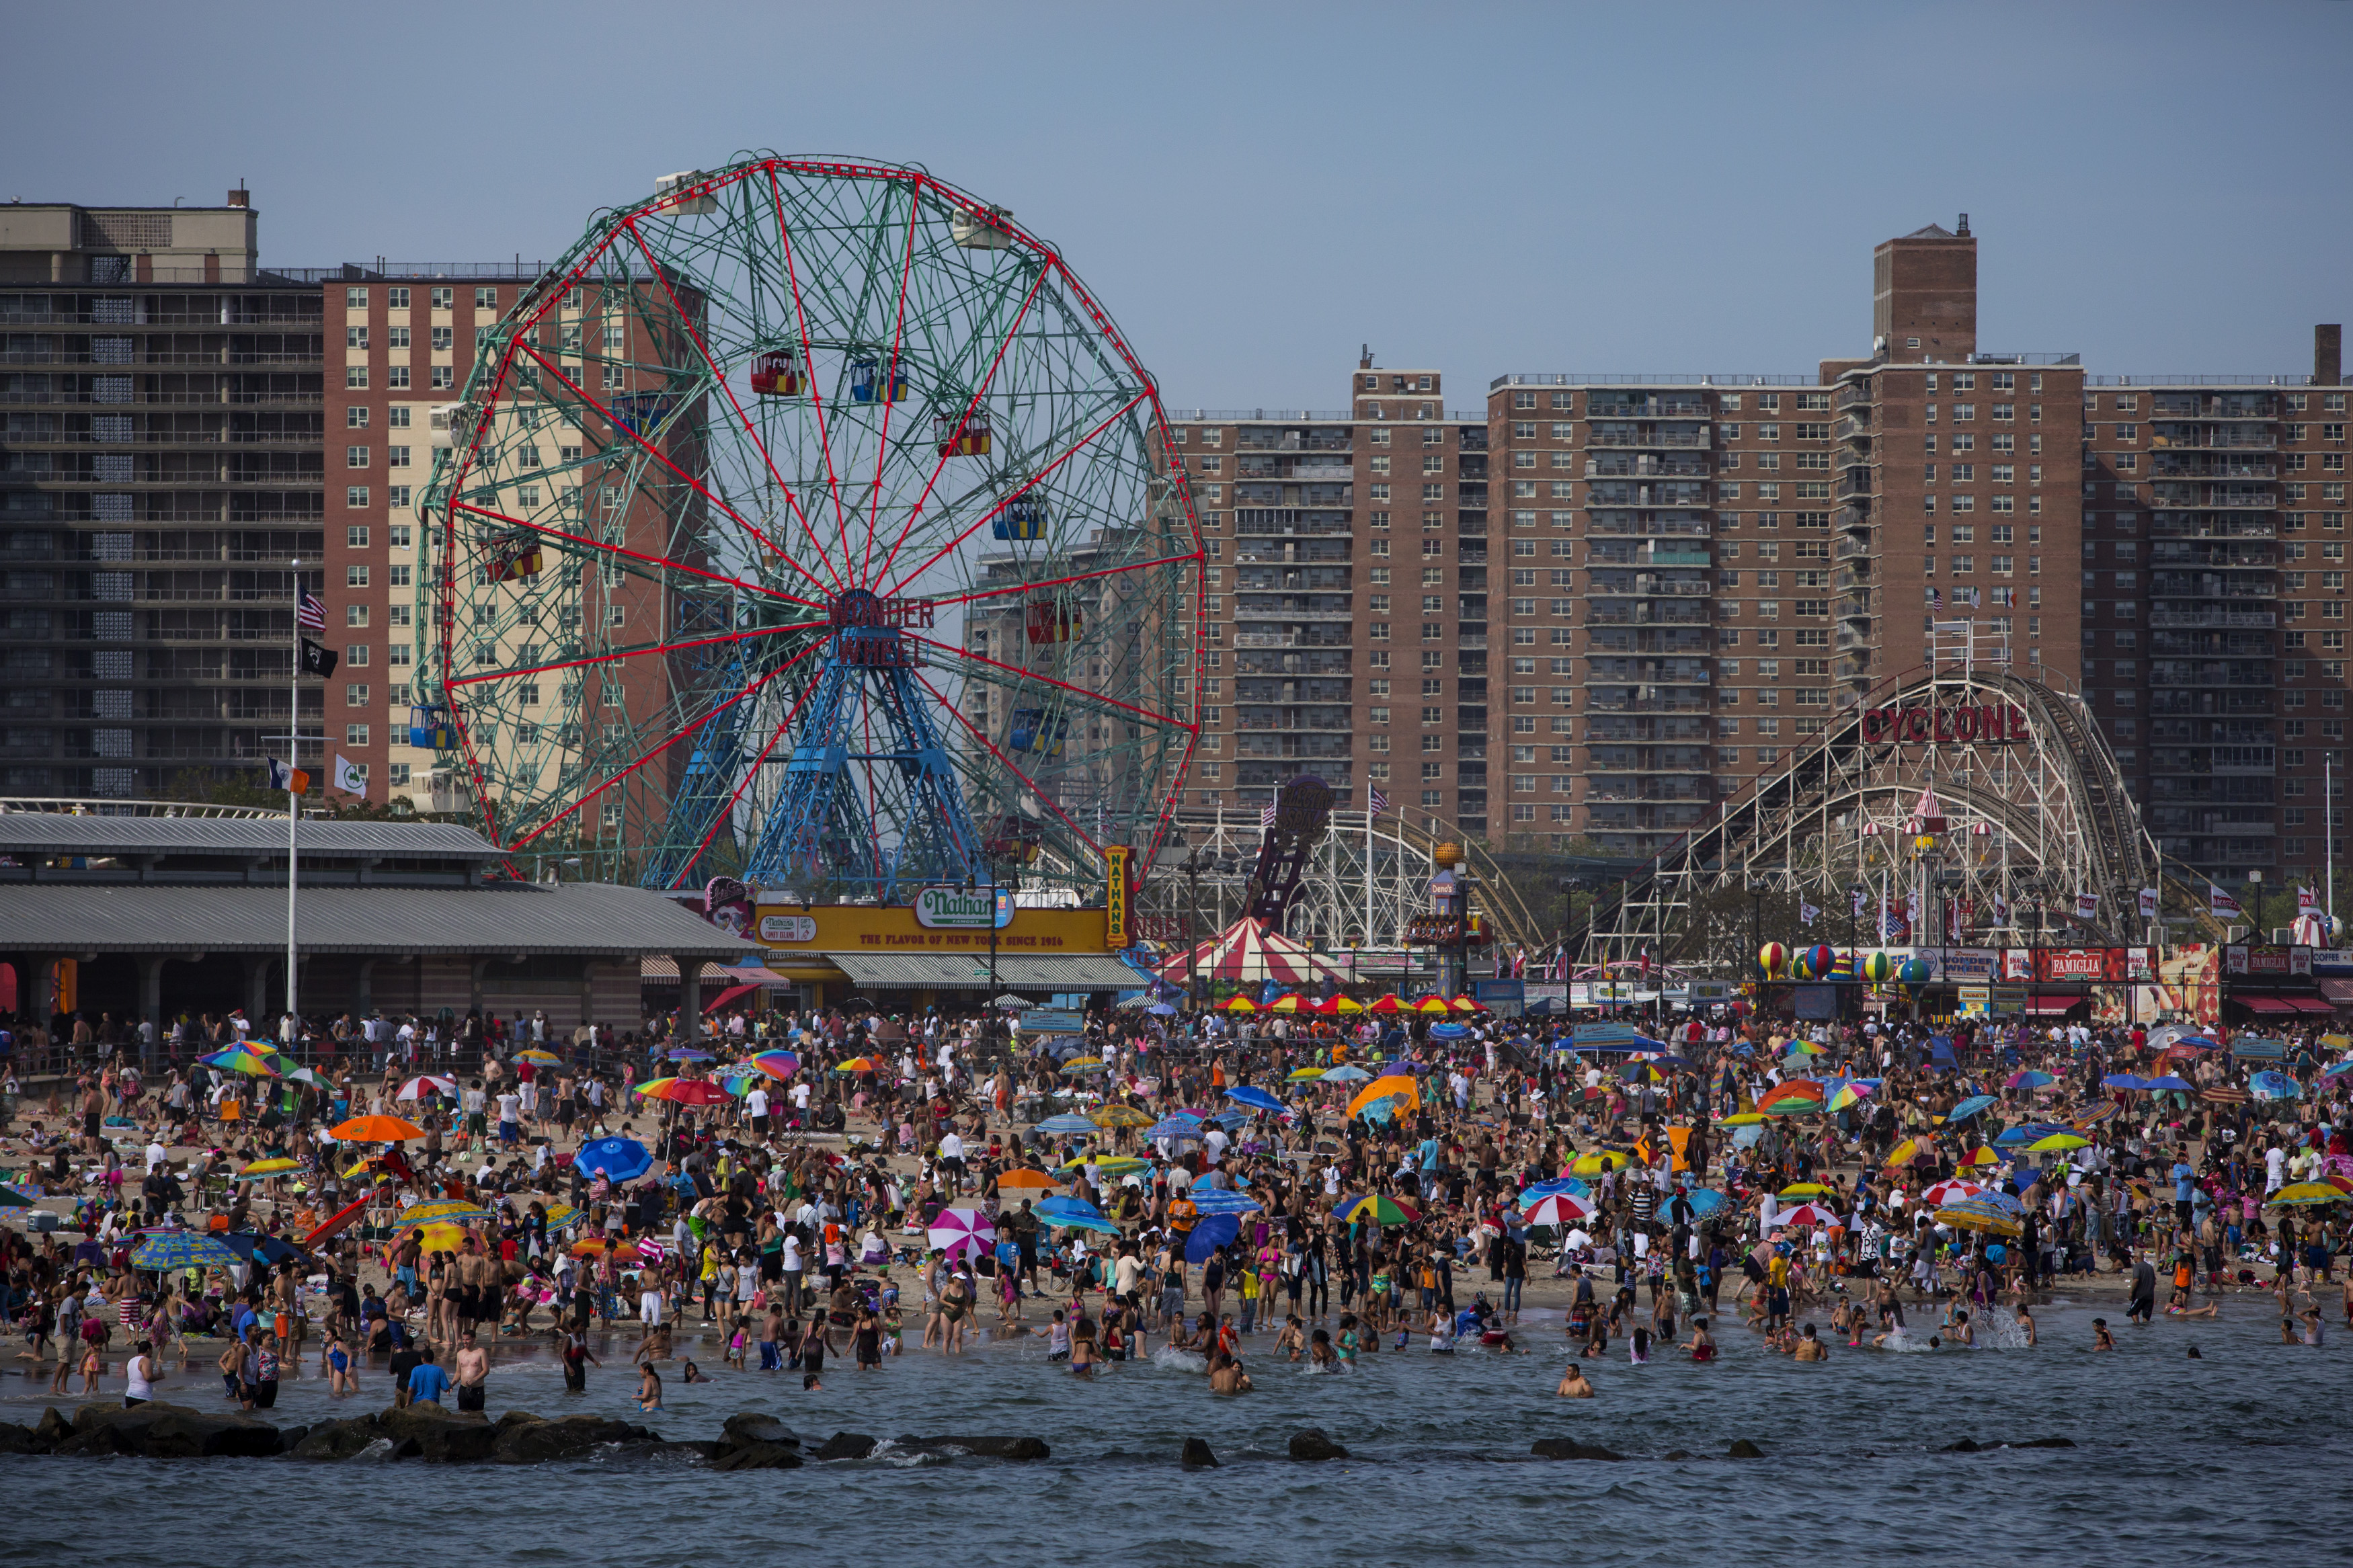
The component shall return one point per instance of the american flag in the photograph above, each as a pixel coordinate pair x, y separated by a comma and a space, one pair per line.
1380, 803
1266, 813
311, 612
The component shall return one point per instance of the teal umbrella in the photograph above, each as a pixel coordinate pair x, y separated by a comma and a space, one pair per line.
10, 1198
182, 1249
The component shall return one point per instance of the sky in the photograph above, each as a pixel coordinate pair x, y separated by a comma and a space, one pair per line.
1256, 190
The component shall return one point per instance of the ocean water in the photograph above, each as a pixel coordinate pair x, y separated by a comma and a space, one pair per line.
2223, 1460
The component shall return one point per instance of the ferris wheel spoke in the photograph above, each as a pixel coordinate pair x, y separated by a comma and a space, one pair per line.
659, 563
898, 343
800, 321
939, 464
1034, 677
642, 650
1028, 485
1043, 798
1102, 572
748, 689
719, 376
663, 457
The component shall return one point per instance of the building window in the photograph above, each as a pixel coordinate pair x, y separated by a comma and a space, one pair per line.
355, 456
355, 576
356, 496
355, 614
356, 377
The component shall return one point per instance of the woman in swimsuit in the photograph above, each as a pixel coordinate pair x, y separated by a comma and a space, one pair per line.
335, 1361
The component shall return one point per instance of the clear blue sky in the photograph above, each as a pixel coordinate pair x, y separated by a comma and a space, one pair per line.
1255, 189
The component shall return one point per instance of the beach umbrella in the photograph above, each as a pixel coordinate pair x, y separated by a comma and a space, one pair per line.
2223, 1094
2338, 1069
10, 1198
1162, 1010
1448, 1031
1801, 1190
539, 1057
856, 1065
1342, 1004
2091, 1116
1213, 1232
1222, 1200
1561, 1209
1347, 1072
2123, 1081
1980, 1214
1024, 1180
376, 1129
962, 1232
1379, 1209
777, 1065
1467, 1005
1535, 1190
1972, 1105
182, 1249
642, 1250
2170, 1082
1850, 1091
1599, 1160
1063, 1210
688, 1054
1941, 1193
1108, 1165
419, 1088
1980, 1155
2274, 1086
1390, 1087
262, 1170
2026, 1133
242, 1060
1389, 1002
2301, 1194
684, 1092
1067, 1124
1904, 1154
1085, 1065
2030, 1079
1173, 1128
1305, 1075
1741, 1119
1251, 1095
1805, 1214
1434, 1004
1122, 1116
621, 1159
1241, 1004
2057, 1143
442, 1211
1289, 1001
1782, 1104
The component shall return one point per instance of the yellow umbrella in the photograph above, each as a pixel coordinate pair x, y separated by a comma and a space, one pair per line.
1594, 1164
376, 1129
1904, 1154
1803, 1190
2056, 1142
1746, 1119
1432, 1004
1396, 1086
1117, 1165
1347, 1005
1241, 1004
1122, 1116
262, 1168
1305, 1075
1286, 1003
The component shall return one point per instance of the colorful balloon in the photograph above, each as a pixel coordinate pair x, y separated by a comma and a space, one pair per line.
1879, 969
1914, 971
1821, 960
1771, 957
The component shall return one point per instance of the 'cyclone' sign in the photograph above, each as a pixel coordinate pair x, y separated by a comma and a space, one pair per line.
1985, 724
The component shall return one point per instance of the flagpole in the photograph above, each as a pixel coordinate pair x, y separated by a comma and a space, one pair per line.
293, 801
1369, 862
2328, 828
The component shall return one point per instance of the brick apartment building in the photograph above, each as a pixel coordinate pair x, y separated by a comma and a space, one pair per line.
1682, 578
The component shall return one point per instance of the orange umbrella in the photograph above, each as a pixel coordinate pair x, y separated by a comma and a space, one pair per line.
376, 1129
1432, 1004
626, 1252
1393, 1085
1389, 1003
1026, 1180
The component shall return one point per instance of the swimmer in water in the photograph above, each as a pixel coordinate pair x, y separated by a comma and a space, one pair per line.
1963, 1333
1227, 1376
650, 1389
1319, 1353
1809, 1348
2101, 1339
1702, 1348
2026, 1323
1574, 1383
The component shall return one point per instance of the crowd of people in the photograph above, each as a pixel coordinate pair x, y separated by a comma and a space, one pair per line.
855, 1186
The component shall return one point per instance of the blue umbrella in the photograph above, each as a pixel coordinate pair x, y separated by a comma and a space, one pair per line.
1175, 1127
1569, 1184
1069, 1211
1161, 1009
1222, 1200
1251, 1094
622, 1159
2030, 1132
688, 1054
2274, 1086
10, 1198
2123, 1081
1448, 1031
1968, 1108
2170, 1082
1066, 1124
1211, 1234
1347, 1072
1706, 1202
182, 1249
1231, 1121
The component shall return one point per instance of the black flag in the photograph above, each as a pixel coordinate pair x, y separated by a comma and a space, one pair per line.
317, 660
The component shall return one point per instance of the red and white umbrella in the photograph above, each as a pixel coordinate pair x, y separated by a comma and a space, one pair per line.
1248, 952
419, 1088
960, 1233
1805, 1214
1939, 1195
1562, 1209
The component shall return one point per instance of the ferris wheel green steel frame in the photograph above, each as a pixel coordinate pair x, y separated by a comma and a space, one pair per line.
809, 522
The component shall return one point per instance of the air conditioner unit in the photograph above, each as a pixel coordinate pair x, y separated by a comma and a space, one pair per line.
668, 189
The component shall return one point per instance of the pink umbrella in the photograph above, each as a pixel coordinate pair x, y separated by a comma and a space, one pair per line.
960, 1233
1562, 1209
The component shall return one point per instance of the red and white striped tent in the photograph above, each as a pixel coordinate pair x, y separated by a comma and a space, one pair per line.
1248, 952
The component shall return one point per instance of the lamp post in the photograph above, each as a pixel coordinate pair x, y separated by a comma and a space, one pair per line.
2255, 900
1854, 896
1449, 858
989, 1010
1192, 926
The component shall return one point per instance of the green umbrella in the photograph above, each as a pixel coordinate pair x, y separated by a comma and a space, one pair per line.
10, 1198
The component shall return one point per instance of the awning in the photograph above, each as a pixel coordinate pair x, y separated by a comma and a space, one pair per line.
724, 997
2264, 1004
969, 972
2051, 1006
2309, 1004
2338, 991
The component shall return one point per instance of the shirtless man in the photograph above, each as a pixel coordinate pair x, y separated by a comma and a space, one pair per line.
473, 1368
1227, 1376
1573, 1385
473, 1278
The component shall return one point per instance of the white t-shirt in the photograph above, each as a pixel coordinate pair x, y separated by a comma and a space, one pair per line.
791, 1254
507, 1105
951, 1146
139, 1371
755, 1103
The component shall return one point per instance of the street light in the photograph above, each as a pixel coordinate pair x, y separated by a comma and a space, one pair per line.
2255, 897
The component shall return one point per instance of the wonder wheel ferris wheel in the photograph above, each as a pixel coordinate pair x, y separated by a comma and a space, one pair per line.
809, 522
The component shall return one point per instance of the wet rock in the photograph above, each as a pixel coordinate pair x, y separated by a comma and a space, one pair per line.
990, 1447
14, 1439
50, 1430
97, 1440
1310, 1443
845, 1446
442, 1437
751, 1427
1741, 1448
1965, 1446
734, 1456
1677, 1454
1197, 1455
532, 1441
338, 1440
290, 1439
1571, 1448
171, 1432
